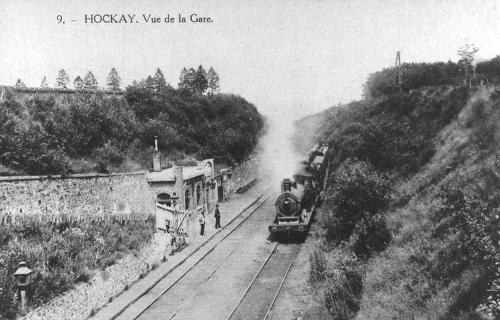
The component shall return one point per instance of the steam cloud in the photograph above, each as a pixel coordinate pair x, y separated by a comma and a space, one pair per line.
277, 156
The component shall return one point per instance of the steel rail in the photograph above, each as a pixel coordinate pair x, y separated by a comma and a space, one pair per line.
252, 282
283, 279
281, 284
256, 206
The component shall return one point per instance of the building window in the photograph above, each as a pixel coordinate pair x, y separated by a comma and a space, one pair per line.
164, 198
187, 198
198, 195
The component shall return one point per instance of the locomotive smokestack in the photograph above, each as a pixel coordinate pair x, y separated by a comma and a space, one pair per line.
286, 185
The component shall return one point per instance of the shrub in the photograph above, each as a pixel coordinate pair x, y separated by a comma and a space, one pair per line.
370, 236
343, 286
414, 76
474, 221
357, 189
108, 156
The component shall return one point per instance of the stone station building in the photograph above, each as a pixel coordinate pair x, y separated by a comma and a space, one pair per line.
182, 193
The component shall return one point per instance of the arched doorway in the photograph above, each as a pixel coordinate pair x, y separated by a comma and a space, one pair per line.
187, 199
198, 195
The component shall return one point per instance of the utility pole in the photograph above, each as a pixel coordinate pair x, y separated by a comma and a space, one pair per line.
397, 67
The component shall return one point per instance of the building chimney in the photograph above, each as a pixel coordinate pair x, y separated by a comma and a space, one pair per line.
156, 157
179, 185
178, 174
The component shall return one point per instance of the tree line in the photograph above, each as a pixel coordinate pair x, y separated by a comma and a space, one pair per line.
197, 81
88, 82
97, 132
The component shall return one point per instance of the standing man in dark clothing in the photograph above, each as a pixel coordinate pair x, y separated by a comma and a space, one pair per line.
217, 217
202, 223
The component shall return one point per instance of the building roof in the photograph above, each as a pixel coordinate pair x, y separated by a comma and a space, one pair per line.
168, 175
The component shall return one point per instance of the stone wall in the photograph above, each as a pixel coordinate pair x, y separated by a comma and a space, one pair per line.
84, 195
75, 195
242, 174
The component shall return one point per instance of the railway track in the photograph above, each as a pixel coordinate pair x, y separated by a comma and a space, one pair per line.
140, 308
258, 299
236, 274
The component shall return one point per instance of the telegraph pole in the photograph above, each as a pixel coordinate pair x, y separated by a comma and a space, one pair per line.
397, 67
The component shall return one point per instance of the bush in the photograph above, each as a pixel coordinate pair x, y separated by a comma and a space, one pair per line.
357, 189
414, 76
344, 286
108, 156
475, 222
370, 236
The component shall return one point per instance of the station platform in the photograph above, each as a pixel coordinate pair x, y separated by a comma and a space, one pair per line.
229, 209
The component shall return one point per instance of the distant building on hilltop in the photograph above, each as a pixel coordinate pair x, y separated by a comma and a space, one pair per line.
24, 93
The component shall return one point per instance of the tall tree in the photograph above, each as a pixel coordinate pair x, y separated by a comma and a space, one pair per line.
213, 81
114, 80
149, 84
182, 79
90, 82
20, 84
78, 83
200, 83
62, 79
159, 81
466, 54
194, 80
44, 83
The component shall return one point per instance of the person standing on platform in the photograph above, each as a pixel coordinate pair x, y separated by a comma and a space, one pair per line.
202, 223
217, 217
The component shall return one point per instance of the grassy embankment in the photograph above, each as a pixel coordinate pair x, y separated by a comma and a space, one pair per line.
412, 202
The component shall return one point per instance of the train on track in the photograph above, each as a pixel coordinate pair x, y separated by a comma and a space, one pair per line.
300, 196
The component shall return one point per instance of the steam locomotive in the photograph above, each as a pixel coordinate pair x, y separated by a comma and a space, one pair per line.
299, 197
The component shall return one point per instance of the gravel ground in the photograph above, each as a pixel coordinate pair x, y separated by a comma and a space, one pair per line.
212, 287
297, 299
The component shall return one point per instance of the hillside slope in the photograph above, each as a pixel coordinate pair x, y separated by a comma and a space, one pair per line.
412, 206
84, 132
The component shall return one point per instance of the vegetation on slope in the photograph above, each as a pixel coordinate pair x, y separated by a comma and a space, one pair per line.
63, 254
95, 132
412, 203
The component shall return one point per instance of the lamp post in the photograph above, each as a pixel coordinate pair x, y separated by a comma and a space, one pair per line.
24, 278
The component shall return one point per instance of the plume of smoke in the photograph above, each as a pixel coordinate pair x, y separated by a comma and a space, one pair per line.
277, 156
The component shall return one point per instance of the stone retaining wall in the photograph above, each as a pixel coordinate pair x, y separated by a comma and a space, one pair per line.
242, 174
83, 195
75, 195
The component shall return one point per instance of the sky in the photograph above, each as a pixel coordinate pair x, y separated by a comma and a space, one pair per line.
289, 58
